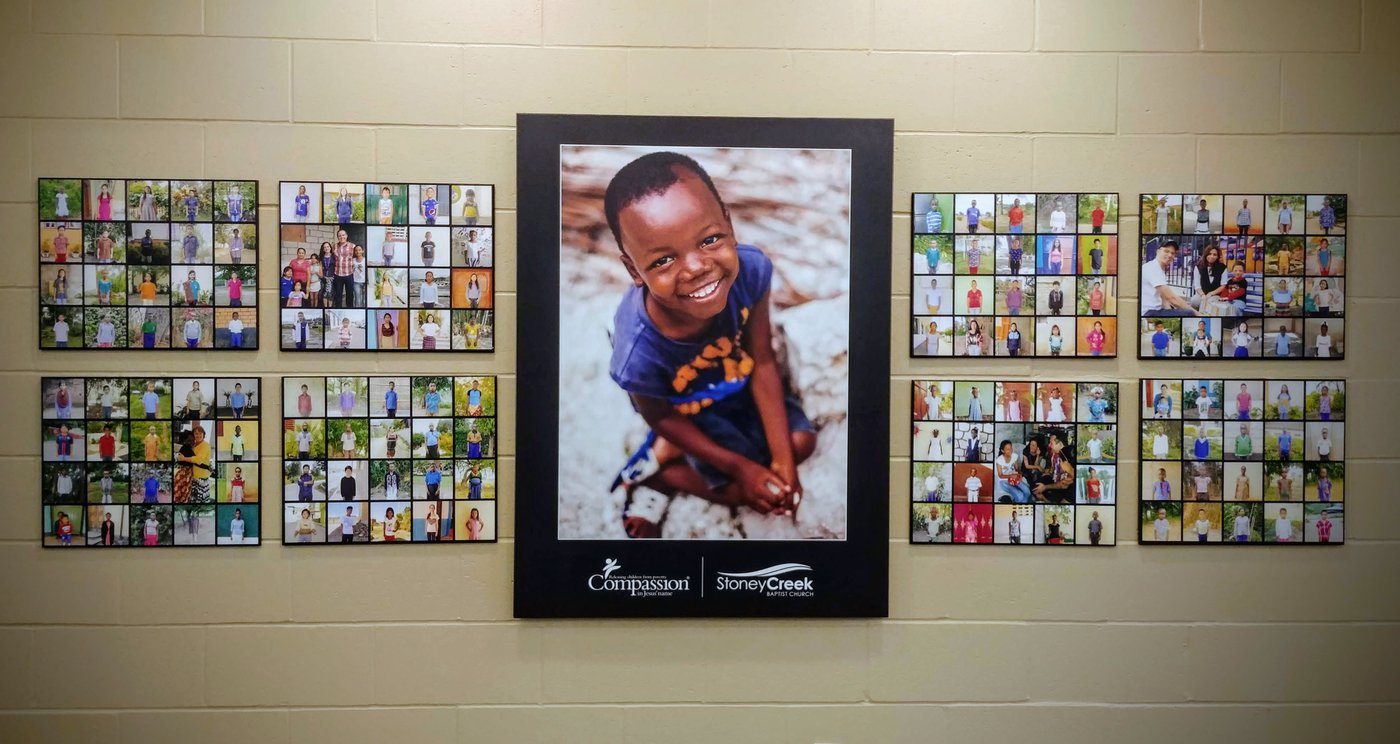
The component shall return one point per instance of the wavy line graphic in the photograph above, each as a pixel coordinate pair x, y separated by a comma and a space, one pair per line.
764, 573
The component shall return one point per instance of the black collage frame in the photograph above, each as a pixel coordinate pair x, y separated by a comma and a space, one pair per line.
1268, 470
476, 323
947, 241
163, 479
955, 447
374, 399
227, 220
1248, 294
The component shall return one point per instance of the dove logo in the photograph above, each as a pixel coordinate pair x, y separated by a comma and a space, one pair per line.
635, 585
774, 581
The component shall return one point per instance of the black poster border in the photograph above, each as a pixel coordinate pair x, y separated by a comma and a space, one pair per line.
556, 578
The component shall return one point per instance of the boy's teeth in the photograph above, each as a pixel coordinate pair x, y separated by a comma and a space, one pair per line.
705, 290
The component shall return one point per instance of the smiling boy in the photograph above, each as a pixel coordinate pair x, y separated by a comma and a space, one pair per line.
693, 348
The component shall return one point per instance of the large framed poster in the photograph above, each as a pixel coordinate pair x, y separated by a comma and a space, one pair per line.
1014, 274
1242, 461
388, 459
150, 461
1243, 276
1014, 462
148, 264
386, 266
702, 436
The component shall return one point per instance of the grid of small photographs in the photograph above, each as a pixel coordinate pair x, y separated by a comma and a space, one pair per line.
388, 459
1015, 275
148, 264
1014, 462
1242, 461
150, 461
387, 267
1234, 276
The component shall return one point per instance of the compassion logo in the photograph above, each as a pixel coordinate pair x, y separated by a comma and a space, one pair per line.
635, 585
774, 581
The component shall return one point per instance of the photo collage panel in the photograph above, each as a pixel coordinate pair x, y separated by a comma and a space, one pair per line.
1242, 461
1236, 276
148, 264
1014, 462
150, 461
387, 267
389, 459
1024, 274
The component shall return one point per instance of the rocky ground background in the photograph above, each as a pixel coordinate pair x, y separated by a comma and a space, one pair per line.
795, 206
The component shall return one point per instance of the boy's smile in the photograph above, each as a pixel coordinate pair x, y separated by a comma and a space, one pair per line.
679, 244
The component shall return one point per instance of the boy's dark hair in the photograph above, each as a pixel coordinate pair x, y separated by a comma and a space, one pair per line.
1171, 244
652, 173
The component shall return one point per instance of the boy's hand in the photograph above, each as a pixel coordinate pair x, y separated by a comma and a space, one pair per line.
761, 488
788, 472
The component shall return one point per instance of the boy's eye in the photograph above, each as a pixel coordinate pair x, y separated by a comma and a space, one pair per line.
658, 263
711, 240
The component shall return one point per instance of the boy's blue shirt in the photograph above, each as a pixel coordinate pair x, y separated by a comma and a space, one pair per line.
645, 362
1160, 340
1097, 407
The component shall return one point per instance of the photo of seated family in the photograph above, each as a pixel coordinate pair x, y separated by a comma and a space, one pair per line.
1014, 462
1231, 276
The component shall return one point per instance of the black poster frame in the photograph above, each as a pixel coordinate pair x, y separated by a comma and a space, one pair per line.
650, 578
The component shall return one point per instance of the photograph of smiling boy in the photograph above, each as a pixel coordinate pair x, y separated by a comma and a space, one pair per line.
715, 282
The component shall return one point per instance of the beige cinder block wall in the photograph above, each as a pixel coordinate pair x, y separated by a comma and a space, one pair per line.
275, 645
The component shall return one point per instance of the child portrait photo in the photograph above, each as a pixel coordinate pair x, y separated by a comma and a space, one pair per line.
1237, 276
688, 298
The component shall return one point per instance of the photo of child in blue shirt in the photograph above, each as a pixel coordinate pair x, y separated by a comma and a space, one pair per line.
693, 348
